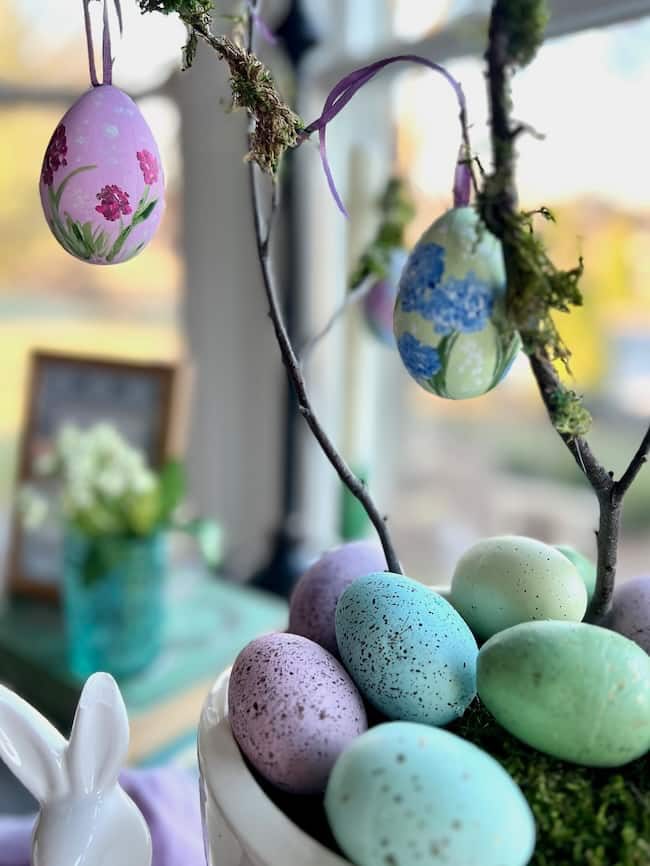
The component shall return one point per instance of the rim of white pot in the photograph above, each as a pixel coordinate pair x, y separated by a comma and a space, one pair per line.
250, 815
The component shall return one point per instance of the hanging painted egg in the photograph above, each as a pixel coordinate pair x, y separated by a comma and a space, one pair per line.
449, 323
379, 303
102, 183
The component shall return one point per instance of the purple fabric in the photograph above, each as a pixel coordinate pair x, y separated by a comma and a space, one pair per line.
462, 181
167, 797
344, 90
107, 55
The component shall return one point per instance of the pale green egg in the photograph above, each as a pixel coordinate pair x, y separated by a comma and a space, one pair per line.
586, 568
575, 691
449, 315
405, 794
502, 581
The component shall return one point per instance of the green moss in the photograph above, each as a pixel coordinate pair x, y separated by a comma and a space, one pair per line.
397, 210
525, 23
585, 816
569, 414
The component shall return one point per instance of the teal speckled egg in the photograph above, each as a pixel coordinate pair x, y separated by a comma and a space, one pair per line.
502, 581
409, 795
575, 691
448, 320
406, 648
586, 568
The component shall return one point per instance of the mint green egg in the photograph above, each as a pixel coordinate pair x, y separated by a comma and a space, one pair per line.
586, 568
405, 794
449, 314
502, 581
574, 691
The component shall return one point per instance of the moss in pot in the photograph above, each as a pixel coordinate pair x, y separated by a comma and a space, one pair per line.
478, 286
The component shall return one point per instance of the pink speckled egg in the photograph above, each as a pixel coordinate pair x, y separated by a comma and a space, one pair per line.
102, 184
379, 303
314, 599
293, 709
630, 614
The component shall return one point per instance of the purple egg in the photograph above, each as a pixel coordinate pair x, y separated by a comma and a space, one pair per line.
293, 709
379, 303
314, 599
102, 184
630, 614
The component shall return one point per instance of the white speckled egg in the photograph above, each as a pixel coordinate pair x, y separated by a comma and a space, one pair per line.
404, 794
500, 582
407, 649
448, 316
293, 709
102, 185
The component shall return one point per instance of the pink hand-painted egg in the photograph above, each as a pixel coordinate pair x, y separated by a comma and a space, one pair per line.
102, 184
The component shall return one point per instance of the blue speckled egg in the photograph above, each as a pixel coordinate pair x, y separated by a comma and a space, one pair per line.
409, 795
448, 320
407, 649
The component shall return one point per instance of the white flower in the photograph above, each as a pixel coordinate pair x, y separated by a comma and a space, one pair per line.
68, 440
33, 508
111, 482
143, 481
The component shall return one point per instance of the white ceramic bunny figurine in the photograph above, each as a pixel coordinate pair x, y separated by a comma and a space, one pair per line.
85, 819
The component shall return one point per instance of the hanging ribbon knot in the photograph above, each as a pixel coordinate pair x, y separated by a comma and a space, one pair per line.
107, 55
343, 92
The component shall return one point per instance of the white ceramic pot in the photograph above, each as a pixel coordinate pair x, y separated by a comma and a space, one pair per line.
241, 826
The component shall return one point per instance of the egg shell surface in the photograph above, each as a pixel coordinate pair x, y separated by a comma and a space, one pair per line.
448, 319
293, 709
586, 568
314, 599
502, 581
102, 184
575, 691
413, 795
407, 649
630, 613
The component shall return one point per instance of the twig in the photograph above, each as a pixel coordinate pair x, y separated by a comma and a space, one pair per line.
499, 211
263, 240
352, 297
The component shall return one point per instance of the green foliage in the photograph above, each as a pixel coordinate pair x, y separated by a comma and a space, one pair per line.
569, 414
397, 210
171, 486
585, 816
524, 22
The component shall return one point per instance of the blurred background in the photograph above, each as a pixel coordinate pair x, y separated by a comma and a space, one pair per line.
446, 473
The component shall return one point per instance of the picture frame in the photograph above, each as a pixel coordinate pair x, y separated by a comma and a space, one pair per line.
145, 402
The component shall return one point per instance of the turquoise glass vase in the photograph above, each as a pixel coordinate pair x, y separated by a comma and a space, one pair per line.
113, 601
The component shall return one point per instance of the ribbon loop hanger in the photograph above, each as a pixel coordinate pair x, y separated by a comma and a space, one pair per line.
107, 54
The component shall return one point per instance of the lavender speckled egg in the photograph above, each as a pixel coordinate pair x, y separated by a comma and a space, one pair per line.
313, 603
102, 182
407, 649
293, 709
630, 614
379, 303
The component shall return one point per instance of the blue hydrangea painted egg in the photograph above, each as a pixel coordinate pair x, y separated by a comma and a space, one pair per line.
102, 184
448, 320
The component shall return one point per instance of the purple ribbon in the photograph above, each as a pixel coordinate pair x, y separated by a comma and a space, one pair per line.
107, 55
260, 23
462, 179
343, 92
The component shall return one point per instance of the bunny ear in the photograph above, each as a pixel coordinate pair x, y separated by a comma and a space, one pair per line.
31, 747
100, 736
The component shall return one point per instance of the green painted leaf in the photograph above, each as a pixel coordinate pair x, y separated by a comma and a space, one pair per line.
145, 214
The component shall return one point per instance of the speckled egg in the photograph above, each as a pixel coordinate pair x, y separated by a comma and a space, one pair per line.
502, 581
575, 691
407, 649
630, 614
293, 709
379, 303
102, 183
448, 320
313, 602
409, 795
586, 568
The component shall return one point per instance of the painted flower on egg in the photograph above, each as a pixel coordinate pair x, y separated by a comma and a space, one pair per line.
449, 324
101, 182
